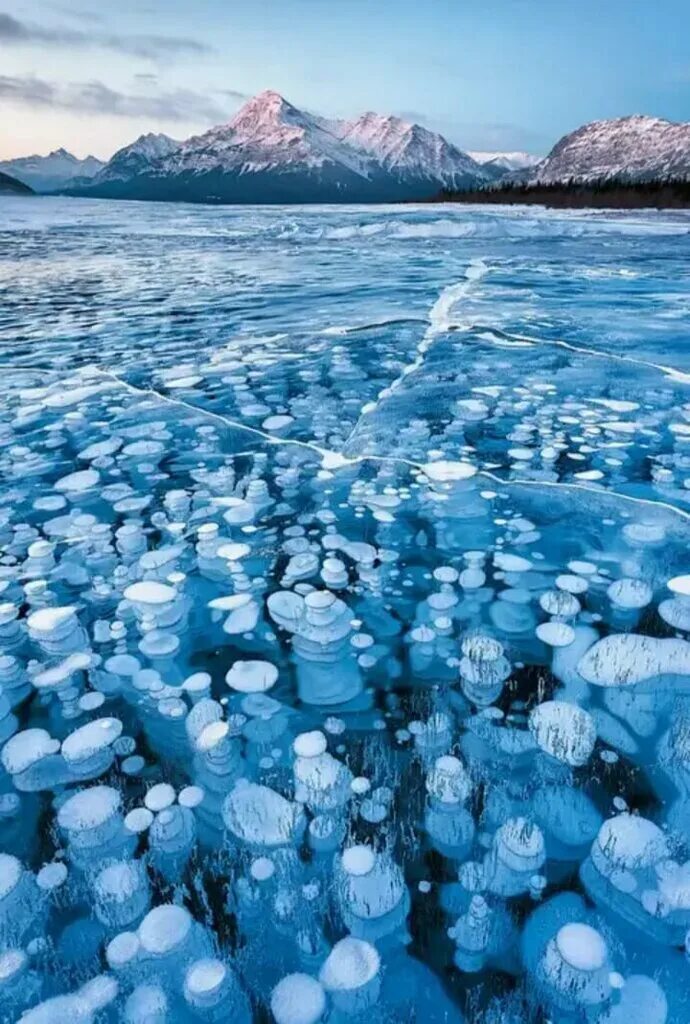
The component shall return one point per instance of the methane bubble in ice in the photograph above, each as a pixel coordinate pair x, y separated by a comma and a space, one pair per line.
344, 616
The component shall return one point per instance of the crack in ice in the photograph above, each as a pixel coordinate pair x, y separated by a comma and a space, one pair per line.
333, 460
679, 376
439, 322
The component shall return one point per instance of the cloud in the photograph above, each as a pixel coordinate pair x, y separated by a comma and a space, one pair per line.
233, 94
151, 47
75, 14
98, 99
416, 116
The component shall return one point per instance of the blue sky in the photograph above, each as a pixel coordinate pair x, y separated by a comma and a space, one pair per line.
489, 74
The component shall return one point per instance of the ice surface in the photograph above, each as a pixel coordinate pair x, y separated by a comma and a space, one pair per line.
344, 615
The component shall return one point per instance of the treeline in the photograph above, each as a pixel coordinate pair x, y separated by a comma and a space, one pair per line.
668, 193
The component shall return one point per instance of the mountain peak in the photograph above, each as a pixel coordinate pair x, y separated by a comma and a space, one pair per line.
266, 110
273, 151
637, 147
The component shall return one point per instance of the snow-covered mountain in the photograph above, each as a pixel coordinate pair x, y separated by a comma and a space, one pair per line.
632, 149
408, 150
272, 152
136, 157
51, 172
502, 162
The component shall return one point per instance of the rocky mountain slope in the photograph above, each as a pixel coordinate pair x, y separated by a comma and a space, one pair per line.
272, 152
12, 186
136, 158
629, 149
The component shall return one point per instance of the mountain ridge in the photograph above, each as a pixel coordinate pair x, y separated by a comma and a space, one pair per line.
635, 148
273, 152
52, 171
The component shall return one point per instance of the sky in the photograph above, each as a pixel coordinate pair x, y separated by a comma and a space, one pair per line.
488, 74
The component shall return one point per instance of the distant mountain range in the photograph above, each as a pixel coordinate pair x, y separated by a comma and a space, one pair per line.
52, 172
273, 152
502, 162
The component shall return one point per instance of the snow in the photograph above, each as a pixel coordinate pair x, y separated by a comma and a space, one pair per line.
514, 160
408, 149
147, 149
633, 148
269, 134
46, 173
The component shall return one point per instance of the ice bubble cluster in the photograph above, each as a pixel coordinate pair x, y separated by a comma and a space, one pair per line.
296, 735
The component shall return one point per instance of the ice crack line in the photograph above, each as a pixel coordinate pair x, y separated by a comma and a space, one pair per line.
439, 322
672, 372
333, 460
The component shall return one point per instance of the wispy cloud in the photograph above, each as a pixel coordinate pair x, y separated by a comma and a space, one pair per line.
234, 94
75, 13
151, 47
416, 116
98, 99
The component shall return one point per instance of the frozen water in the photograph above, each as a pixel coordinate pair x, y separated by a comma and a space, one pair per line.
344, 615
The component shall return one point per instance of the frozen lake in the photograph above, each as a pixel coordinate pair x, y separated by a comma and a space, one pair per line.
345, 612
